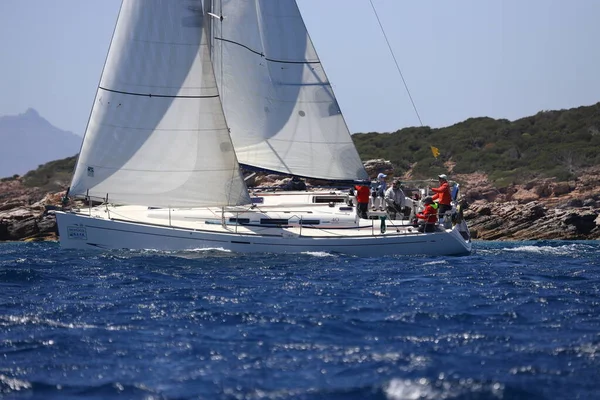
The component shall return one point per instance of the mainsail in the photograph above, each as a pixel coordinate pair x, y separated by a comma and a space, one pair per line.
278, 101
157, 135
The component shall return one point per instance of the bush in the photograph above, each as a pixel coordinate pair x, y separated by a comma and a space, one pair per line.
548, 144
52, 176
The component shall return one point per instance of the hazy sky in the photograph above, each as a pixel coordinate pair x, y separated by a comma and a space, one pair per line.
460, 58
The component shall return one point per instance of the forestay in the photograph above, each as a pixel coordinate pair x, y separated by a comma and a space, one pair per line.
157, 135
277, 99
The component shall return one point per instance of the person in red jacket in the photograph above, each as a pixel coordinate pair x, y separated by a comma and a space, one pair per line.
428, 217
363, 194
442, 194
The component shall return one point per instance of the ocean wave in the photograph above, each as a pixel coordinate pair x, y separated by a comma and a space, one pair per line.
560, 250
436, 262
442, 388
189, 253
47, 390
24, 275
13, 320
515, 324
9, 385
319, 254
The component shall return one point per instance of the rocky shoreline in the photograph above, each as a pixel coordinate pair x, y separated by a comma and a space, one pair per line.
532, 221
542, 209
539, 210
23, 215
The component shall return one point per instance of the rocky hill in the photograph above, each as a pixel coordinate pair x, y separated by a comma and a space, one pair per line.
536, 210
23, 214
502, 204
28, 140
540, 209
551, 144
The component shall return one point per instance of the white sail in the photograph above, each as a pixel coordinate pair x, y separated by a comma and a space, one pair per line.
278, 101
157, 135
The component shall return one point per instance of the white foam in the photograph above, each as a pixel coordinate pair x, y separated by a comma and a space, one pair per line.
14, 384
196, 250
406, 389
24, 320
423, 388
558, 250
436, 262
318, 253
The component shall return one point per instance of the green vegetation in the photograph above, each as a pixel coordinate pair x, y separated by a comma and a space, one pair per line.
549, 144
10, 178
52, 176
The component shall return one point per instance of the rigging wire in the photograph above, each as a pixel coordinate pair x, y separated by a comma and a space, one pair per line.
396, 61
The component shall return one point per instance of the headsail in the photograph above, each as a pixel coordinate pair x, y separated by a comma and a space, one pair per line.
278, 101
157, 135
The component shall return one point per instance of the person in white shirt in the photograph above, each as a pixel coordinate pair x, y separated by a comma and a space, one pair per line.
380, 186
395, 200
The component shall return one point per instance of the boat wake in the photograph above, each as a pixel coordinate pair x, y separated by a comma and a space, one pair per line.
190, 253
318, 254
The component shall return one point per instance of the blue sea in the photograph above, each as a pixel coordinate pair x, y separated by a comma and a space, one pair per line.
514, 320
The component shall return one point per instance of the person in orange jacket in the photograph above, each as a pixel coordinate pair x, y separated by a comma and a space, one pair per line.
442, 194
428, 215
363, 195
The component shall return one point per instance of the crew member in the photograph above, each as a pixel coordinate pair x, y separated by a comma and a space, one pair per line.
363, 194
428, 217
442, 194
395, 200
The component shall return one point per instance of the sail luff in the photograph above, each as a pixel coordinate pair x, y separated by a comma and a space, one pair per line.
78, 164
361, 172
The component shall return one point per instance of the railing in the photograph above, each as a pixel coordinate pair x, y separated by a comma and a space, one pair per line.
386, 222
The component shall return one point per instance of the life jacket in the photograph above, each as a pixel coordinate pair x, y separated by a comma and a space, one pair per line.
442, 194
429, 214
362, 194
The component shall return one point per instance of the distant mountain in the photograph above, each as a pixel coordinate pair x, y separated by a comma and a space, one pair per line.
28, 140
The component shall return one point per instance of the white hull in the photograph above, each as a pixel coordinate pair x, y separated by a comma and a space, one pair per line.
159, 134
140, 228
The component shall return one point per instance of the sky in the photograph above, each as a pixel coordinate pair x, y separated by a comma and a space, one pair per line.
460, 59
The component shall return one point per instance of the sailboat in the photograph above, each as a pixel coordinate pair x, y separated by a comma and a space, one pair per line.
191, 92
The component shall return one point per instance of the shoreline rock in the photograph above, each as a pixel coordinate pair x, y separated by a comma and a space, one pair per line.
538, 210
531, 221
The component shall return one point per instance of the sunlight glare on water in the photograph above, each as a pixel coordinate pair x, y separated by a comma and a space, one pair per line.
514, 320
